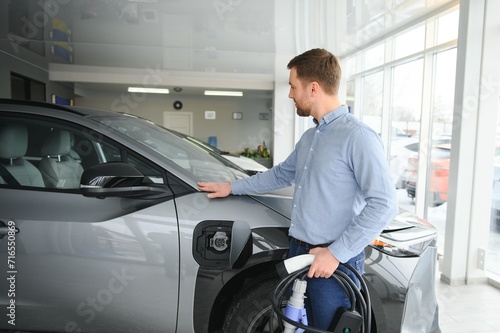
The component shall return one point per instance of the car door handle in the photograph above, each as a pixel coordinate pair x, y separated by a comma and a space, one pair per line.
4, 229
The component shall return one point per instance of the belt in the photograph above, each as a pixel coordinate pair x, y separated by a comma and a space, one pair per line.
311, 246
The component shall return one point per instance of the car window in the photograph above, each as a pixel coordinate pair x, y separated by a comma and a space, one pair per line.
110, 153
52, 154
201, 164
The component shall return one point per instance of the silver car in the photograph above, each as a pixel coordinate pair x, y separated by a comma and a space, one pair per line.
103, 229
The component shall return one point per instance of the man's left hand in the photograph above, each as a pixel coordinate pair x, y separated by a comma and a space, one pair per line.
324, 263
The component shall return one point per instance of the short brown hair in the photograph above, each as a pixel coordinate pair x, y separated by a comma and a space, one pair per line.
318, 65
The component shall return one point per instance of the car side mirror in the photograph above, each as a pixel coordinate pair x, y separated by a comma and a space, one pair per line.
116, 179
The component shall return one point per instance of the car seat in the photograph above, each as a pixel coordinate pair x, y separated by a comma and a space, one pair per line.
16, 169
59, 170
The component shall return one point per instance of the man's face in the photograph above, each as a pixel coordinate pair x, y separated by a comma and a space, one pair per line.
300, 94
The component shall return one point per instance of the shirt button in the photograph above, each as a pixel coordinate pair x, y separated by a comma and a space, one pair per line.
294, 206
305, 167
300, 186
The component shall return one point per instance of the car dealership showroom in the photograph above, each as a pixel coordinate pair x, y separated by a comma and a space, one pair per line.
118, 116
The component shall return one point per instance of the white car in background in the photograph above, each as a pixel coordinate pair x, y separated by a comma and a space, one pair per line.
249, 165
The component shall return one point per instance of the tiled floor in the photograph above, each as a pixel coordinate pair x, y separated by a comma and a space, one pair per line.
468, 308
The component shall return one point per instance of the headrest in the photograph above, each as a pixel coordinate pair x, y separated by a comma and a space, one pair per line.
13, 141
58, 143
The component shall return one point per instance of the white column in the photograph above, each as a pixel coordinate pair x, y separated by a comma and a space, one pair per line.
459, 235
283, 107
487, 96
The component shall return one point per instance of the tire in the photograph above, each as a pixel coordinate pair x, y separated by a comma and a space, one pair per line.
251, 309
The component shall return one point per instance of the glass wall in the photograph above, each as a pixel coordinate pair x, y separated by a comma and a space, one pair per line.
407, 81
440, 147
371, 105
410, 42
401, 82
405, 108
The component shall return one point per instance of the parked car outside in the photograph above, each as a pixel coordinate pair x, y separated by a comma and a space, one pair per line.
438, 174
399, 153
103, 229
249, 165
439, 177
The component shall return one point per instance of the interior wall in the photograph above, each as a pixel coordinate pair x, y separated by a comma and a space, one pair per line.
11, 64
14, 58
232, 135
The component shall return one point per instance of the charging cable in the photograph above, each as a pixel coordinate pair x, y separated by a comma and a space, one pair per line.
353, 320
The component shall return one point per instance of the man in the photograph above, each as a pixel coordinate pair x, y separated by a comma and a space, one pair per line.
344, 195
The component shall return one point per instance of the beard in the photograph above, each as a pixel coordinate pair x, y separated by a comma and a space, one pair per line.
303, 110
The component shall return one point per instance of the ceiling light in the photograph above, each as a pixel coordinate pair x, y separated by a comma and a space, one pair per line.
148, 90
223, 93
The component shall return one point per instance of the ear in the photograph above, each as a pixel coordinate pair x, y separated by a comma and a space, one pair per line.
314, 87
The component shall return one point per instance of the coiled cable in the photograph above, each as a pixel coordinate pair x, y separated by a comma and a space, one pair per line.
359, 298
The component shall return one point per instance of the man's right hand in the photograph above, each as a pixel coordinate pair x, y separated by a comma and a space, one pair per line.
217, 190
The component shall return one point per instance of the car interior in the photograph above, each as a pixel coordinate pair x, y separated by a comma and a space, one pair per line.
42, 155
15, 168
59, 169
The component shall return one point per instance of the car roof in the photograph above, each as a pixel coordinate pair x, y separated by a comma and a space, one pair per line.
82, 111
6, 102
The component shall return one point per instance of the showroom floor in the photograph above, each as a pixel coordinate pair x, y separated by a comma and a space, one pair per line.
468, 308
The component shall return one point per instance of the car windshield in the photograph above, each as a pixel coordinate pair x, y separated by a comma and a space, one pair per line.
204, 145
201, 164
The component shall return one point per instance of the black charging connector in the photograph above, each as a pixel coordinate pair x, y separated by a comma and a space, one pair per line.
346, 321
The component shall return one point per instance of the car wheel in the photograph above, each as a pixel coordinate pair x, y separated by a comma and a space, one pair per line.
251, 309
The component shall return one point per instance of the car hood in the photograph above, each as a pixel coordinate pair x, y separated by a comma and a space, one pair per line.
280, 201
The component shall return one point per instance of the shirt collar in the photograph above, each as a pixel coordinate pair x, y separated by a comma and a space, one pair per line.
332, 115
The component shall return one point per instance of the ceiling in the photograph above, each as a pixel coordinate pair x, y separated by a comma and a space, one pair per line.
192, 44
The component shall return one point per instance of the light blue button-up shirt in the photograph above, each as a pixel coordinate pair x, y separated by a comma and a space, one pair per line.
344, 194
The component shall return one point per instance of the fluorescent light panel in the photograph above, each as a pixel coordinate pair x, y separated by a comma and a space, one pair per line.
148, 90
223, 93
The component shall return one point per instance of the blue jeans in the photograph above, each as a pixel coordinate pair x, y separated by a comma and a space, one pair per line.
325, 296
